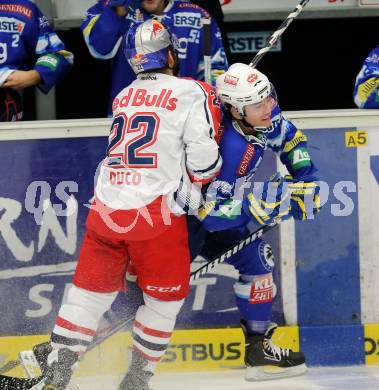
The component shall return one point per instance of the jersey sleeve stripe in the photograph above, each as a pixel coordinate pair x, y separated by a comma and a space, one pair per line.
211, 167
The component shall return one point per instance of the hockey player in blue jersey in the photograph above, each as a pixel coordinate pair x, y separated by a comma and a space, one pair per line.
235, 203
366, 89
107, 21
31, 54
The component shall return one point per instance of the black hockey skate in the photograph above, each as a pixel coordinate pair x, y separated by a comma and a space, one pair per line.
54, 377
57, 375
41, 352
265, 360
137, 378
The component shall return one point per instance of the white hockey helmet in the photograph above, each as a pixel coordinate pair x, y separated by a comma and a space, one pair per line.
242, 85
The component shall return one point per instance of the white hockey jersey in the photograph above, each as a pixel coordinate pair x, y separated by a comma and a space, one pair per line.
161, 123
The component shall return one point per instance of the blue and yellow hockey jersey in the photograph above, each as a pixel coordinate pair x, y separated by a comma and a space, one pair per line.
28, 42
366, 90
242, 155
103, 30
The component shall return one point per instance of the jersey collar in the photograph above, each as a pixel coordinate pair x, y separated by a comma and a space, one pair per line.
167, 9
249, 137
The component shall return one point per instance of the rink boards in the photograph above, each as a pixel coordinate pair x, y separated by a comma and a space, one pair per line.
327, 278
196, 350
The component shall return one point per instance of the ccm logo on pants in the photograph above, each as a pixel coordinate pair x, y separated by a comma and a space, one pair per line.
164, 289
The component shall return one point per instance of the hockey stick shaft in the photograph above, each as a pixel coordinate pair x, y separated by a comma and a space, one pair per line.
207, 49
231, 251
276, 35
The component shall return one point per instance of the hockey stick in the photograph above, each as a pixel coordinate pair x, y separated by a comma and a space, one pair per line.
13, 383
276, 35
10, 365
231, 251
207, 49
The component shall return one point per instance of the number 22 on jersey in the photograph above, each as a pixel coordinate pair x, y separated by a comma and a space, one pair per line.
130, 139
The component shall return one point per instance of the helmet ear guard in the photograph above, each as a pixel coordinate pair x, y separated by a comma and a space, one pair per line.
147, 44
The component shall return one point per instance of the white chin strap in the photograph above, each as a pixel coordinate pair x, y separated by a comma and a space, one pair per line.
261, 129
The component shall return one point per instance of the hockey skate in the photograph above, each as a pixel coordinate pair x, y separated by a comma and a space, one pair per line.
57, 375
265, 361
137, 377
54, 377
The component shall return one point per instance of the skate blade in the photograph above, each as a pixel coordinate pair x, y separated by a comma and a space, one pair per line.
40, 386
264, 373
225, 366
10, 365
30, 364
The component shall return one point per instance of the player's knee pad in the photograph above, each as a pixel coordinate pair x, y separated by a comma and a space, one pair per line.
157, 314
167, 309
86, 306
256, 259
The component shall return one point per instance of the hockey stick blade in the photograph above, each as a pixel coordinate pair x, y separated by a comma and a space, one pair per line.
9, 366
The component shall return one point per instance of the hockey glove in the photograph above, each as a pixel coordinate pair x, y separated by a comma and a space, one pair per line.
305, 197
269, 201
127, 4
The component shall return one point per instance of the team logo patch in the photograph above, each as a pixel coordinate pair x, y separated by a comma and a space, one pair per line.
266, 256
231, 209
261, 289
252, 78
231, 80
11, 25
139, 60
299, 158
43, 21
49, 60
157, 27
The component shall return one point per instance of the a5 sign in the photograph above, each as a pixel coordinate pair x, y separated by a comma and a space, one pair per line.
130, 138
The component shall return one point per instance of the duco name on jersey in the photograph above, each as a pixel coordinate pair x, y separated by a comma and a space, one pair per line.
140, 97
187, 19
11, 25
128, 178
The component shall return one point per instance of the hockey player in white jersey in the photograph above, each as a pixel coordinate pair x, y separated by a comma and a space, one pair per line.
160, 121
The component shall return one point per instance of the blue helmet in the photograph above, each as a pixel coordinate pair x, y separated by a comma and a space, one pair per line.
147, 44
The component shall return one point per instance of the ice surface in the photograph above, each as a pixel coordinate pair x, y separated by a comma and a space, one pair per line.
340, 378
